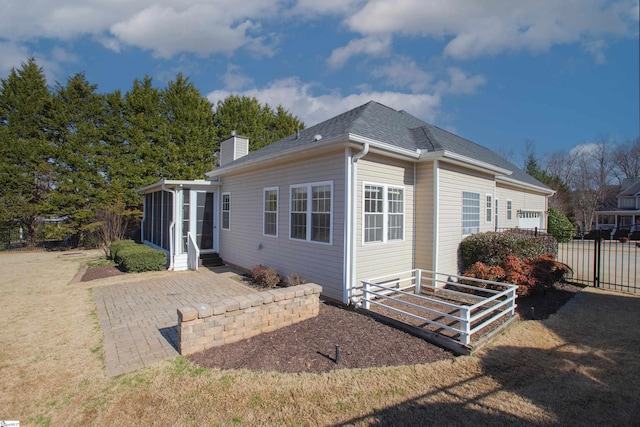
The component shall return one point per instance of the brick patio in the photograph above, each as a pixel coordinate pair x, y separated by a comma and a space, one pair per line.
139, 319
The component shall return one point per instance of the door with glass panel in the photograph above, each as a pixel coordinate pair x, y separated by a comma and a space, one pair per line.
198, 219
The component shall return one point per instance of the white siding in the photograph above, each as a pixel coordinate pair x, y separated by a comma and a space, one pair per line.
521, 199
376, 259
246, 246
425, 215
453, 181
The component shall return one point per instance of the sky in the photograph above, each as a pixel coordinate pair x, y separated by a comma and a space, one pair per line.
555, 73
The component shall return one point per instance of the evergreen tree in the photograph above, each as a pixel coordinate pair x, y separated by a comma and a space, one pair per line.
190, 135
25, 153
77, 132
259, 123
144, 132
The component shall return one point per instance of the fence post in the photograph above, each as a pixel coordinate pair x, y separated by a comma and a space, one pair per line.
596, 261
465, 326
418, 279
365, 295
512, 298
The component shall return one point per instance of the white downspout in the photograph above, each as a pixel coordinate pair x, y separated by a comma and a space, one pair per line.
354, 199
172, 225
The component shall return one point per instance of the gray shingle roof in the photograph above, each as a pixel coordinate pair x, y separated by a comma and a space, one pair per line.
398, 128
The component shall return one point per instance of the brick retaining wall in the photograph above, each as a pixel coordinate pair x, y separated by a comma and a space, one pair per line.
236, 318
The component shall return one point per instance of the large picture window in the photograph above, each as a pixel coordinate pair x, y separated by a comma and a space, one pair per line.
311, 210
226, 211
270, 226
383, 213
470, 213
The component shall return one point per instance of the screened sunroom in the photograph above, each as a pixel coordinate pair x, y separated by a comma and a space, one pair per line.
179, 218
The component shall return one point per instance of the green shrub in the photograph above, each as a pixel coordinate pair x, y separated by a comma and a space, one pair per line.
117, 246
560, 227
492, 248
138, 258
265, 277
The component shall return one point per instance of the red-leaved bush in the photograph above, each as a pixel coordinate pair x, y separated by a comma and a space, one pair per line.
528, 274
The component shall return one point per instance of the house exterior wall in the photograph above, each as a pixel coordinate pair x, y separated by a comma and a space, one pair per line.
425, 208
245, 244
380, 258
521, 199
453, 181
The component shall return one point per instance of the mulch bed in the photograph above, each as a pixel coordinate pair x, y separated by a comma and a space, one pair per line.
100, 272
310, 346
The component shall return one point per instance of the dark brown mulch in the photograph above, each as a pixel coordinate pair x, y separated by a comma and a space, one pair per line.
541, 305
310, 346
100, 272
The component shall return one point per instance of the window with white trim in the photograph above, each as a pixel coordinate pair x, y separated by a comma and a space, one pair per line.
226, 211
509, 209
383, 213
470, 213
489, 208
270, 207
311, 212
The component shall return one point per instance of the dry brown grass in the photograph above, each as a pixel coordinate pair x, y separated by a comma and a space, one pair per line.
579, 367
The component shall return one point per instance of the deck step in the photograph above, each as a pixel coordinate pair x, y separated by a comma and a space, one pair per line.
210, 260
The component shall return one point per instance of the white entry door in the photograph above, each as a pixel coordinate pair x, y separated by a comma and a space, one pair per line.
198, 218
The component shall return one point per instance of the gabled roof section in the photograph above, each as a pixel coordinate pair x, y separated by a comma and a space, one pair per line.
398, 129
632, 187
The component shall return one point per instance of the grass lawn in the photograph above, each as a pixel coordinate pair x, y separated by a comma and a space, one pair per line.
579, 367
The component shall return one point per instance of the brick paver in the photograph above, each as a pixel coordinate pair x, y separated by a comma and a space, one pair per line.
139, 319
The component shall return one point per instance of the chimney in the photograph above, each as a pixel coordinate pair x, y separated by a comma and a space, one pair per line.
233, 148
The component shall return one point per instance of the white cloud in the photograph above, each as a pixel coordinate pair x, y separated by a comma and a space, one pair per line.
459, 83
11, 56
490, 27
298, 98
404, 72
373, 46
235, 79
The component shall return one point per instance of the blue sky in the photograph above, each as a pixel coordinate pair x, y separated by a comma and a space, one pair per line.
499, 72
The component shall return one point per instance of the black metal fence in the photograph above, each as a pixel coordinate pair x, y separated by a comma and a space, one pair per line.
603, 263
600, 258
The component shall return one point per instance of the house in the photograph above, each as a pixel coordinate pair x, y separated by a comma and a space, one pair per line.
622, 218
369, 192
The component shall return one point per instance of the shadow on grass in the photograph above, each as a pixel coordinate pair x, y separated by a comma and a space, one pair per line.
590, 377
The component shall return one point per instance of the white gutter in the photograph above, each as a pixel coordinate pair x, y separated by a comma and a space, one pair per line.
464, 161
354, 195
526, 185
172, 225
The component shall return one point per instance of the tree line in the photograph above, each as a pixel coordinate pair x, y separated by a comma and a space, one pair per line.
587, 177
70, 153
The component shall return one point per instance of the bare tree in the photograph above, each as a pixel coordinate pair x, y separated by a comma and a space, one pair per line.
627, 160
111, 226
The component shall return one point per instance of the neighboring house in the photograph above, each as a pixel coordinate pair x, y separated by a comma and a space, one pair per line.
623, 218
369, 192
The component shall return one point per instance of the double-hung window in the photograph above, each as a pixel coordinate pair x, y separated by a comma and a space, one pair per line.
226, 211
509, 209
383, 213
270, 206
311, 212
470, 213
489, 208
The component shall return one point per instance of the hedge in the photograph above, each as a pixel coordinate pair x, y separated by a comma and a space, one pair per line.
560, 227
492, 248
117, 246
135, 258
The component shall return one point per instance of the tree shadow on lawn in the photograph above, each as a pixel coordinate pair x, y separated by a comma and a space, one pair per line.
579, 367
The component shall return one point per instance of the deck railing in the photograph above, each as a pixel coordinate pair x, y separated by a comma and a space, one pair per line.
481, 307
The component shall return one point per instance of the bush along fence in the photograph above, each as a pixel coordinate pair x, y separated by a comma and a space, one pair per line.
236, 318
